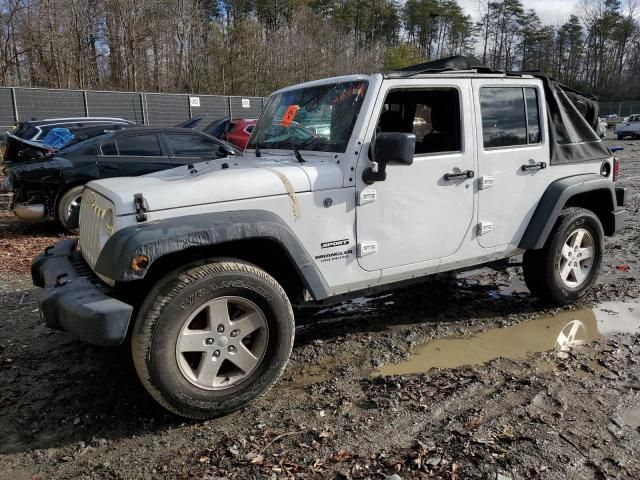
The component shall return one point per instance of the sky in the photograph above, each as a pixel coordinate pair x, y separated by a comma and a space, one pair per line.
550, 11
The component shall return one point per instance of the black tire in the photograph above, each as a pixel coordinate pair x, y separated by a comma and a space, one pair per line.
541, 267
67, 212
620, 137
164, 313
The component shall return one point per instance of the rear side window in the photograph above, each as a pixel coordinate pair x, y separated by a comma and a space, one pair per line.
510, 116
185, 145
140, 146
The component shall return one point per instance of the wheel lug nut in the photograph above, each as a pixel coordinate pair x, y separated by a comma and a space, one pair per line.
232, 348
216, 353
220, 328
209, 341
234, 333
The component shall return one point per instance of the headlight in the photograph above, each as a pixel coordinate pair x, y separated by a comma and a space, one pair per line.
107, 221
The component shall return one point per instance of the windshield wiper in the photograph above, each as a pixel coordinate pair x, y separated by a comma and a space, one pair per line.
296, 152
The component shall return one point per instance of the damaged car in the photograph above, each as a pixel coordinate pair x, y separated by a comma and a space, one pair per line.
49, 185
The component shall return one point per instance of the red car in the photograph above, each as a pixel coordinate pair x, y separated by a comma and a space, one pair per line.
235, 131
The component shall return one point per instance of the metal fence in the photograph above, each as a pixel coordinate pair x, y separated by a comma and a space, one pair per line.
165, 109
622, 109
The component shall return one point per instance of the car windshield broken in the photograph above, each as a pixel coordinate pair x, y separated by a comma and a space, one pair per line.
319, 118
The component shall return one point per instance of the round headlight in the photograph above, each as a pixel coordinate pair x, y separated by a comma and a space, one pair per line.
107, 221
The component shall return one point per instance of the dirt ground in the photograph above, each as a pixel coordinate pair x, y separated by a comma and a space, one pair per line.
358, 399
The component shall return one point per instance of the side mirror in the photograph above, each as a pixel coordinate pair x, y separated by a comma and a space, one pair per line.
389, 147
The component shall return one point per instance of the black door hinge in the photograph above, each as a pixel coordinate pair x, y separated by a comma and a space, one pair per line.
141, 206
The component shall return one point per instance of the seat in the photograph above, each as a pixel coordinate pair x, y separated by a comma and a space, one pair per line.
390, 121
445, 134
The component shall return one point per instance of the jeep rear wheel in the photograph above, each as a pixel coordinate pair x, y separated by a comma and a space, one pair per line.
211, 338
567, 267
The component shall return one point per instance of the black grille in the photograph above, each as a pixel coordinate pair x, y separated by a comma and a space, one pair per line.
83, 270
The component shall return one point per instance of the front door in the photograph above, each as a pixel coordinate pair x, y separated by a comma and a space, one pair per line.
513, 156
422, 211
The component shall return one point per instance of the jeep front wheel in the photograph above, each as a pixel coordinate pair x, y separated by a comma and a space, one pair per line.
567, 267
211, 338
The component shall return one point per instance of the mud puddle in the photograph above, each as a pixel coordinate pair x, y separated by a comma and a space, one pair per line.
561, 332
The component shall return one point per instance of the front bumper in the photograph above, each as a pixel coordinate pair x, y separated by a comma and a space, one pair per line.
74, 300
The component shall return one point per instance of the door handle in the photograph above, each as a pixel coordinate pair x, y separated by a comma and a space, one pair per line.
456, 176
534, 166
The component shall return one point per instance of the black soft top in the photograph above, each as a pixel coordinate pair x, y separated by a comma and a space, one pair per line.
572, 115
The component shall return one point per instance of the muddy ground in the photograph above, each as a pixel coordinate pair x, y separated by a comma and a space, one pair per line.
520, 410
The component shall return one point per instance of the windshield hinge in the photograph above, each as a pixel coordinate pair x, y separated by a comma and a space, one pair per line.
141, 206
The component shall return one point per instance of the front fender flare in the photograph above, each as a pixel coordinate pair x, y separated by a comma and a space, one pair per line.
158, 238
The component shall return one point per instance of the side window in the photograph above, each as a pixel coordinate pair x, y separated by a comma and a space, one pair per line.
186, 145
433, 115
109, 148
533, 115
140, 146
510, 116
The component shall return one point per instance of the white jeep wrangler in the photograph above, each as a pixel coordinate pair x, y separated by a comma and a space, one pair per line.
349, 185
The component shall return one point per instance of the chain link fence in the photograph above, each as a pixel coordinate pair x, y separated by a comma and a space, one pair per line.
164, 109
622, 109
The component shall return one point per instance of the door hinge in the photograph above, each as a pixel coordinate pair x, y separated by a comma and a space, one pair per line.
366, 248
368, 195
484, 228
484, 182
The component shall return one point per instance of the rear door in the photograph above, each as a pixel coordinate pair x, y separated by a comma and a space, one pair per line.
187, 148
513, 156
132, 155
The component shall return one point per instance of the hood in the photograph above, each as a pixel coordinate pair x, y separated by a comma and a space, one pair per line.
18, 150
223, 180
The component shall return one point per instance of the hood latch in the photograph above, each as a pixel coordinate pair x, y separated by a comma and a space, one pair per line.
141, 206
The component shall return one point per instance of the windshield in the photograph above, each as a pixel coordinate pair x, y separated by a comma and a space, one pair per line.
315, 118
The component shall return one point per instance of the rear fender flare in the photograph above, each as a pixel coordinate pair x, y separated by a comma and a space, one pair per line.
554, 199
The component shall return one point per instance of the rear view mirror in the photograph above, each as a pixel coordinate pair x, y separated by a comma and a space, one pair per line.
389, 147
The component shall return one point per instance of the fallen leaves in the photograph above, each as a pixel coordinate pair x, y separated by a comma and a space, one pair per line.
20, 241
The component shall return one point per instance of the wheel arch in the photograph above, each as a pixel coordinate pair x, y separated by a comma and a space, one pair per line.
590, 191
265, 253
256, 236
